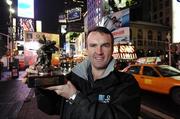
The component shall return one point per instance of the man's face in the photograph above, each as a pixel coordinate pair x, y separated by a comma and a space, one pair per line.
99, 49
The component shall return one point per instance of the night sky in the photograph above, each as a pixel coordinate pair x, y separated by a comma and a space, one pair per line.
48, 11
45, 10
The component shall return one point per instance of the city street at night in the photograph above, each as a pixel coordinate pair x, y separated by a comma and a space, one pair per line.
19, 102
89, 59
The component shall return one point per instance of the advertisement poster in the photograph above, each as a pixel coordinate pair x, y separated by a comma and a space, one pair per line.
74, 15
118, 24
24, 24
121, 35
26, 8
27, 24
62, 18
31, 45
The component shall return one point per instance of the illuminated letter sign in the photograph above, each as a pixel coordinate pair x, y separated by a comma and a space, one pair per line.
74, 15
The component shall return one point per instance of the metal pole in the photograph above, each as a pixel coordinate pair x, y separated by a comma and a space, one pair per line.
10, 29
169, 54
169, 46
10, 33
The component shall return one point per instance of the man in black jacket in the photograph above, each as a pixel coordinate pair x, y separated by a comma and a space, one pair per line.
95, 89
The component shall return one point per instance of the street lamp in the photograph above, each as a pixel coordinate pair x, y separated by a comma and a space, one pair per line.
9, 2
10, 29
11, 10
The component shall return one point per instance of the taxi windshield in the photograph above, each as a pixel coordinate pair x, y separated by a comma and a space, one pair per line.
167, 71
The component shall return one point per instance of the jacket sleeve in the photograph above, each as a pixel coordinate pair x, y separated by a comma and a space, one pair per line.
125, 105
48, 101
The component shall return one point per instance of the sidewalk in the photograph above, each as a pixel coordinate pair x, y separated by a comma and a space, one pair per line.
17, 101
12, 95
29, 109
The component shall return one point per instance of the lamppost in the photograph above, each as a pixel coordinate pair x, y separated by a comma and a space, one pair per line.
169, 46
10, 29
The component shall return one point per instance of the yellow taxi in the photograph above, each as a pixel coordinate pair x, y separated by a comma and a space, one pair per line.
163, 79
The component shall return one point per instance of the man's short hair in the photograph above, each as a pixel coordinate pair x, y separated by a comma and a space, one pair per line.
102, 30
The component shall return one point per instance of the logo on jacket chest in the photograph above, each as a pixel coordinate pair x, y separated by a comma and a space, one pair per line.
104, 98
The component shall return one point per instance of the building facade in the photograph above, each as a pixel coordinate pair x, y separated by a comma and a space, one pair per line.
161, 12
94, 12
149, 39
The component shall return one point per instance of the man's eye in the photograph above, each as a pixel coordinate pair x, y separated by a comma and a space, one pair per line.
92, 45
106, 45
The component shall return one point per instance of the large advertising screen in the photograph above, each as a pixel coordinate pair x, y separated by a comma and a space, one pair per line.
118, 23
115, 5
26, 8
176, 19
25, 24
74, 14
31, 45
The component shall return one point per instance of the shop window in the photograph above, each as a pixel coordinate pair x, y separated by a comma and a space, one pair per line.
155, 17
161, 14
140, 38
154, 5
140, 42
140, 34
167, 21
150, 37
167, 3
160, 5
161, 21
159, 38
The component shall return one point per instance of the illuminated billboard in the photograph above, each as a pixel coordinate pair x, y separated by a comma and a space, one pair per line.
118, 23
176, 19
124, 52
27, 24
115, 5
38, 26
62, 18
74, 14
31, 45
26, 8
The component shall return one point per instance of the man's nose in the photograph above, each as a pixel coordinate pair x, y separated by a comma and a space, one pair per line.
99, 50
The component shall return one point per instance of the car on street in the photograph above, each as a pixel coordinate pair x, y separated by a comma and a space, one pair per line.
162, 79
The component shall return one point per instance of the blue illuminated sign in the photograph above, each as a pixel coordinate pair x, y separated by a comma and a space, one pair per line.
26, 8
74, 15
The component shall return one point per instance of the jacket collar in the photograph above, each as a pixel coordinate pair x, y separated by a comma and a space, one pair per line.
81, 69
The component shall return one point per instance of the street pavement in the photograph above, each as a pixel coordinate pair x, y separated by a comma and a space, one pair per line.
17, 101
12, 96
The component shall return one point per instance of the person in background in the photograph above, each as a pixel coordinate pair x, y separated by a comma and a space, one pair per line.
94, 88
1, 68
116, 24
